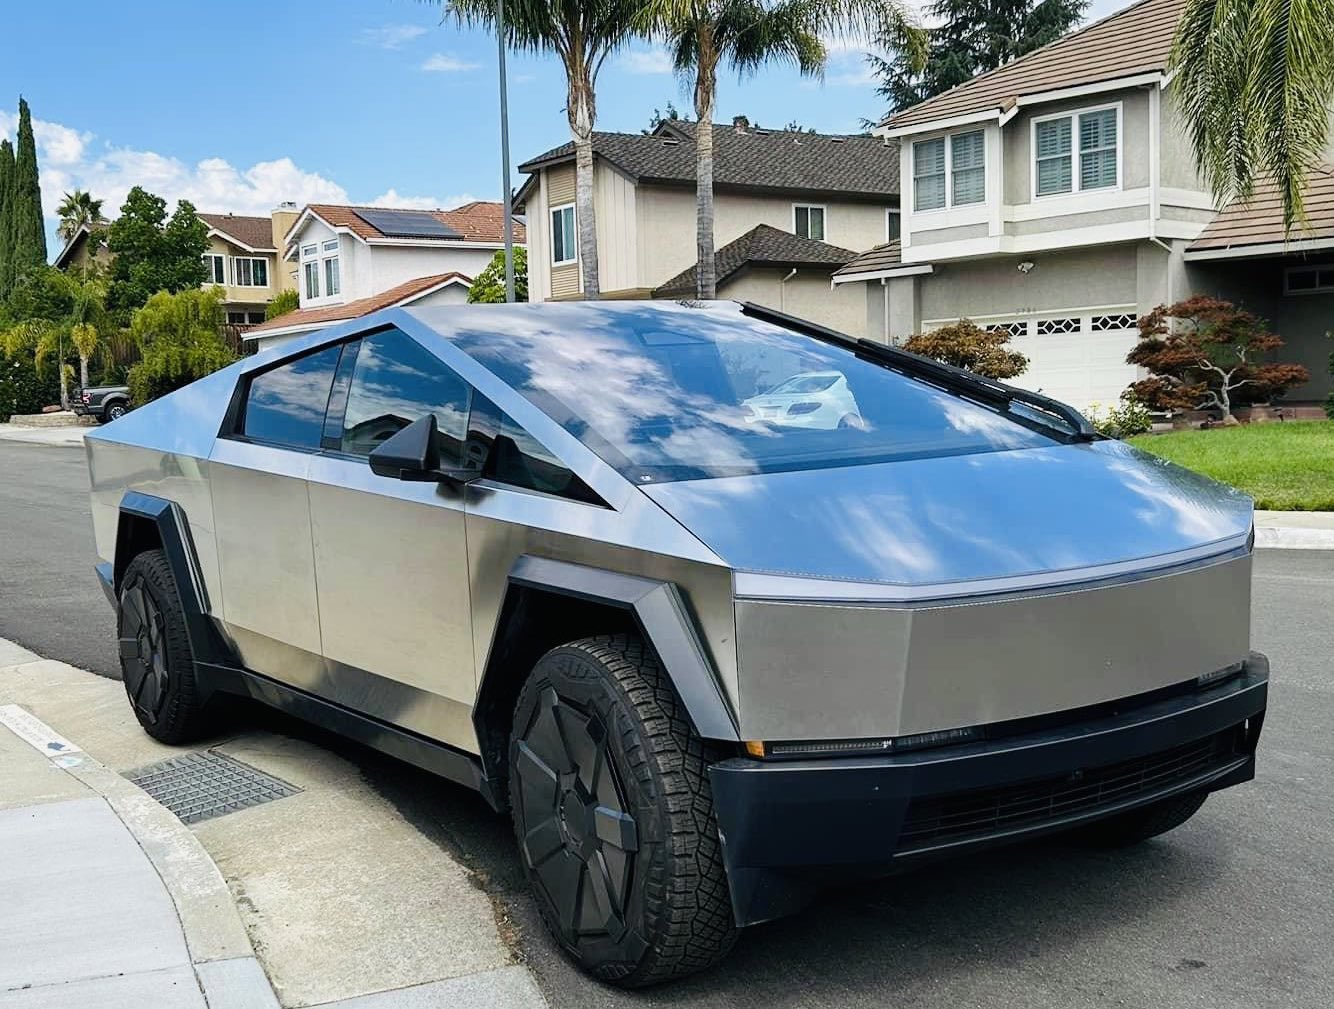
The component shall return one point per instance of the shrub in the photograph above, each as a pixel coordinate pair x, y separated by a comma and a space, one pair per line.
964, 344
1215, 354
24, 387
1130, 417
489, 287
1329, 400
282, 303
180, 338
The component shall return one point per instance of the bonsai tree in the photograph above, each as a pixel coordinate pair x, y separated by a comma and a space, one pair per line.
1203, 353
965, 344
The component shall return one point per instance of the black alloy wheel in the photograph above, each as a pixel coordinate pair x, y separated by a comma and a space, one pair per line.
143, 652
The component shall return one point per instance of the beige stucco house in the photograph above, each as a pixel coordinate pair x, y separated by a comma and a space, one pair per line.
1057, 197
834, 196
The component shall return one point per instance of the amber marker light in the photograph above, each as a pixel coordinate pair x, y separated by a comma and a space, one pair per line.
755, 747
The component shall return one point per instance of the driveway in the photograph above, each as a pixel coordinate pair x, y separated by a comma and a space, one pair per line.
1232, 909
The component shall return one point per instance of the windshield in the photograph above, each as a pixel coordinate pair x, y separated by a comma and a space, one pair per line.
663, 392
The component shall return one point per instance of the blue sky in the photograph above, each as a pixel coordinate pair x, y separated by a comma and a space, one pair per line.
238, 106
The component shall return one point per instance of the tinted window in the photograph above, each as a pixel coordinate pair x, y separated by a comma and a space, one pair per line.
515, 457
395, 382
285, 405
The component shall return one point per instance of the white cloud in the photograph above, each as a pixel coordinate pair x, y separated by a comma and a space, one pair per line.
442, 63
392, 198
392, 36
646, 61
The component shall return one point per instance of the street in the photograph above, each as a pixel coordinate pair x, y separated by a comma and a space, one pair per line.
1233, 909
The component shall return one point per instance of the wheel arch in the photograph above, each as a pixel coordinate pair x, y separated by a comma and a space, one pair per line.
548, 603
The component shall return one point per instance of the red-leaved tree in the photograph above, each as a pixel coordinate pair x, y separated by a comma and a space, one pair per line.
1214, 350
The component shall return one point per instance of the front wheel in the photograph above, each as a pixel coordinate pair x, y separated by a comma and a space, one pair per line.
614, 815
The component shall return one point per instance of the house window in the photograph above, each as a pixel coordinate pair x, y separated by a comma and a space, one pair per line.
959, 158
247, 272
312, 270
1054, 327
1308, 279
331, 276
308, 250
216, 269
562, 235
1093, 136
254, 318
236, 318
808, 221
893, 226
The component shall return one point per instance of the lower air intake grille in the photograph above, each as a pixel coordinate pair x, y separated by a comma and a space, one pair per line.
987, 812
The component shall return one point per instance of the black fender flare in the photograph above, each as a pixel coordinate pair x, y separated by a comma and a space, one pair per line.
664, 620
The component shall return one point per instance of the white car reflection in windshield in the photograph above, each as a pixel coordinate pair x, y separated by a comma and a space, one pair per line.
819, 400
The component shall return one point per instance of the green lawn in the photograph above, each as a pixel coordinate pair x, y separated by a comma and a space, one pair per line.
1286, 467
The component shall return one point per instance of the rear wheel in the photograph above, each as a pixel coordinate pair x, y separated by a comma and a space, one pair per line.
115, 411
614, 815
156, 663
1141, 824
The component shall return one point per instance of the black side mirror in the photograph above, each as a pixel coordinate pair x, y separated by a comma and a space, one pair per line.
414, 454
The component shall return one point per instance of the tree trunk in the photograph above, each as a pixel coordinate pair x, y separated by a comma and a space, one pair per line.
706, 82
581, 112
83, 371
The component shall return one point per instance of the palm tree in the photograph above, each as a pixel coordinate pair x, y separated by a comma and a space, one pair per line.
84, 295
1255, 80
745, 34
76, 210
583, 35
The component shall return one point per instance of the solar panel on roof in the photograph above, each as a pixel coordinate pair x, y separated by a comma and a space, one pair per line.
407, 224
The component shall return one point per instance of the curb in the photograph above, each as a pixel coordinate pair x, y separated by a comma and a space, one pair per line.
1293, 538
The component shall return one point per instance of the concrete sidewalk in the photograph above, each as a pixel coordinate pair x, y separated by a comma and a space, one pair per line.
44, 435
1294, 530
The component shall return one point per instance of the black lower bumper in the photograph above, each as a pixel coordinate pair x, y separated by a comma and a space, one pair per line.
789, 827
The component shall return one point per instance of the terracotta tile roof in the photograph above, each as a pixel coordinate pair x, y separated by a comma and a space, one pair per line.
762, 245
404, 292
479, 221
1259, 220
882, 257
1133, 41
750, 159
255, 232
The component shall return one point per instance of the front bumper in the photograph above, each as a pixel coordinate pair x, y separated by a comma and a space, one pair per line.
790, 827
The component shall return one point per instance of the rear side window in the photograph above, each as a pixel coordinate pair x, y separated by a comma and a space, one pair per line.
397, 381
285, 405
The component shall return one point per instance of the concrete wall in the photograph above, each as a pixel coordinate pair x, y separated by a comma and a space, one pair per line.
806, 295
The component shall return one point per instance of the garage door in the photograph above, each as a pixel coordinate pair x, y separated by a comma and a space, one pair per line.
1076, 358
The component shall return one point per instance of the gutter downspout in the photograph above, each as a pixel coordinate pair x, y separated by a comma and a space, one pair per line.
782, 290
1155, 182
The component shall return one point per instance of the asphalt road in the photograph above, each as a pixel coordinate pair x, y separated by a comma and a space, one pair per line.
1234, 909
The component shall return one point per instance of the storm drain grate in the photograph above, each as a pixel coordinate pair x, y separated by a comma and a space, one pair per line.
202, 785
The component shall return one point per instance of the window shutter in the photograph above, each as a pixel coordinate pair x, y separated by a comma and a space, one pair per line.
929, 174
968, 156
1097, 146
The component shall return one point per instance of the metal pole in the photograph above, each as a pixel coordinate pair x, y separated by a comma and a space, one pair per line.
505, 155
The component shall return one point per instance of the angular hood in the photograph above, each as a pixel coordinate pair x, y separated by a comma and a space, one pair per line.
961, 524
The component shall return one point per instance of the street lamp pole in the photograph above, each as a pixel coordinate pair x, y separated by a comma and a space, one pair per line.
505, 155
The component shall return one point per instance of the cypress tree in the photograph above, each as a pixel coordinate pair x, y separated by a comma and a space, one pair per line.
6, 225
27, 229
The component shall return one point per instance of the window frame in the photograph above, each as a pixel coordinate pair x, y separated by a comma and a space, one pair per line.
949, 202
233, 422
893, 214
1315, 268
212, 273
824, 220
306, 267
560, 208
333, 280
252, 260
1076, 189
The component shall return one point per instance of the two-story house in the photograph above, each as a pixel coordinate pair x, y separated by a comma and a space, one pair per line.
789, 208
350, 261
1057, 197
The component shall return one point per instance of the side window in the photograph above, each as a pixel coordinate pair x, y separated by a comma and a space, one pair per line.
395, 382
285, 405
515, 457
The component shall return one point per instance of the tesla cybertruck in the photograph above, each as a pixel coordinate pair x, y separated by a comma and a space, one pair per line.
712, 645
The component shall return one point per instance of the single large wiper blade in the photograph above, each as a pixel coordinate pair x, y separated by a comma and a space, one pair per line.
947, 376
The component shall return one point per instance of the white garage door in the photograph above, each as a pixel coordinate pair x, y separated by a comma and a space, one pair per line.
1078, 358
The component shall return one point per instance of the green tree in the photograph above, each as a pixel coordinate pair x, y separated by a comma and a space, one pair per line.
27, 248
582, 35
179, 337
78, 209
744, 35
57, 313
285, 301
6, 199
489, 285
1254, 79
154, 252
24, 388
973, 36
672, 115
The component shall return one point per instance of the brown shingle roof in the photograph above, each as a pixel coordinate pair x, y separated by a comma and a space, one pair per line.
355, 309
1259, 220
882, 257
1133, 41
479, 221
253, 232
762, 245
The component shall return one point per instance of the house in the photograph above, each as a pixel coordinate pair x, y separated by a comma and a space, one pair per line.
839, 191
349, 261
1057, 198
242, 258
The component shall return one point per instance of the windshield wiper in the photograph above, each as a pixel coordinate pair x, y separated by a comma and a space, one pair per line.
946, 376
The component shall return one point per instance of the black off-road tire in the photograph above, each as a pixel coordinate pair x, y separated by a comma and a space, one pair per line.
1138, 825
636, 895
156, 663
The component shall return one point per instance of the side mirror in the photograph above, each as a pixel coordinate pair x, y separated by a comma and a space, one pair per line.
414, 454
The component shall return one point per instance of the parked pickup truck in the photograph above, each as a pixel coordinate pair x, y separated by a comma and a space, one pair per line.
105, 402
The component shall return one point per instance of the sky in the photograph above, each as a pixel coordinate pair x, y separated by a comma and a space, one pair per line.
240, 106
